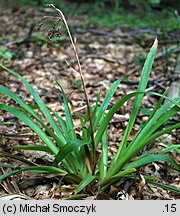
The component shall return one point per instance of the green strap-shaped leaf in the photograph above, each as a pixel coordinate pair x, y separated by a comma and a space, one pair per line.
40, 103
174, 101
64, 127
162, 120
20, 115
146, 134
105, 103
141, 88
41, 169
86, 181
159, 115
71, 158
7, 154
30, 110
159, 118
33, 148
160, 133
67, 149
7, 123
103, 163
7, 166
175, 147
167, 187
69, 119
71, 178
156, 121
94, 113
105, 121
157, 106
111, 180
151, 158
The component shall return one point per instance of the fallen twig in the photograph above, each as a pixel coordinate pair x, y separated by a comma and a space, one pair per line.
167, 52
109, 34
24, 38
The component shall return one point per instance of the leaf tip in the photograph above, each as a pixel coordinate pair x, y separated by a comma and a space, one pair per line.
155, 42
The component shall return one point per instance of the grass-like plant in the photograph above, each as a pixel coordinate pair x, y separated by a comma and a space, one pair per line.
76, 159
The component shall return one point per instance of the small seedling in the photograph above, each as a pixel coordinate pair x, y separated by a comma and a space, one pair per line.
76, 83
140, 57
8, 54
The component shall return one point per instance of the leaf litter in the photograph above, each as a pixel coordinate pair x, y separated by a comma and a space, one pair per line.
104, 60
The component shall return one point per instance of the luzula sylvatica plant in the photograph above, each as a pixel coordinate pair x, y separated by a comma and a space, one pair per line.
76, 159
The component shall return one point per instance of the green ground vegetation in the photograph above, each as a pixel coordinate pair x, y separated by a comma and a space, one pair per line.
134, 14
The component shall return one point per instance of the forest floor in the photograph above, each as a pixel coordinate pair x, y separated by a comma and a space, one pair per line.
104, 58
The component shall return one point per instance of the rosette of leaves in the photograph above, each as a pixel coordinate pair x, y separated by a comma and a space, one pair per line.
75, 158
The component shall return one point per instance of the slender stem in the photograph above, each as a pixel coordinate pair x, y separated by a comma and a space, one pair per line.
83, 84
